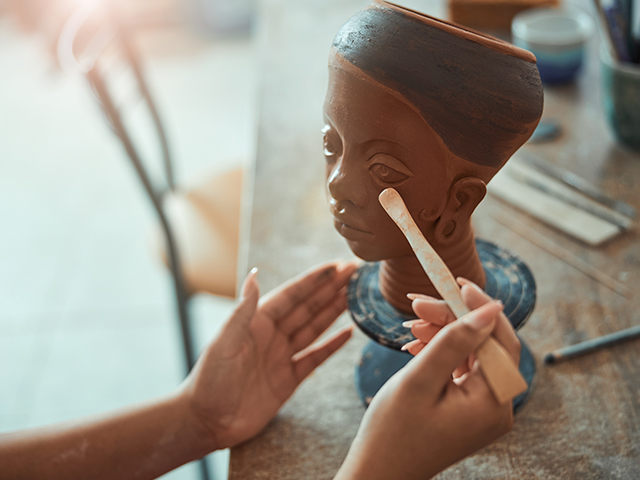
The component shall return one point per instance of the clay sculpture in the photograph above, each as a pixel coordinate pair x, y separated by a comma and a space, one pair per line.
433, 110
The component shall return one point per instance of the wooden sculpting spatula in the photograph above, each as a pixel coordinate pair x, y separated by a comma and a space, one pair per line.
498, 367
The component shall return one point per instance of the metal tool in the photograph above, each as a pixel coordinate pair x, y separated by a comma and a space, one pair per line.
596, 209
580, 184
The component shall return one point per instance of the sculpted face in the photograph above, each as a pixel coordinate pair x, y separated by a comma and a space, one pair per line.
374, 140
432, 110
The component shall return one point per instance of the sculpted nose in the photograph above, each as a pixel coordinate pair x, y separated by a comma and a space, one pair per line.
345, 187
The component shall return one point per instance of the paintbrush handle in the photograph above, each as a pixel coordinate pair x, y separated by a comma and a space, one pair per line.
498, 367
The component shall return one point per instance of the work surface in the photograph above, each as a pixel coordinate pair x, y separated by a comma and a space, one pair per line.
583, 418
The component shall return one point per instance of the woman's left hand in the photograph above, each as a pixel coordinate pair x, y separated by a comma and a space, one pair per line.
264, 352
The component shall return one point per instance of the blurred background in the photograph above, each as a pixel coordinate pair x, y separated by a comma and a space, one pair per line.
87, 314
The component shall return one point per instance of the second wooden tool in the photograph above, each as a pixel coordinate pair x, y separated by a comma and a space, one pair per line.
498, 367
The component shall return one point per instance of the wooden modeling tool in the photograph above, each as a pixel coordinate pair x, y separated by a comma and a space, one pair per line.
498, 367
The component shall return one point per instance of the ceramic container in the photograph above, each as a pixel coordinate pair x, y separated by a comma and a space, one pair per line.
621, 99
557, 37
221, 17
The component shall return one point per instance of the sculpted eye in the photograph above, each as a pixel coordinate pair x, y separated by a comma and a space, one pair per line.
387, 175
388, 170
330, 146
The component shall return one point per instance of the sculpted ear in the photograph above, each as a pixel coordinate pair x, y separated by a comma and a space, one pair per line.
464, 197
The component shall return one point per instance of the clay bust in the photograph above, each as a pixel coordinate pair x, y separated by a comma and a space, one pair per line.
433, 110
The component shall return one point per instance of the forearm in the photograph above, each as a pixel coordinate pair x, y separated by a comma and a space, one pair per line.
142, 442
366, 463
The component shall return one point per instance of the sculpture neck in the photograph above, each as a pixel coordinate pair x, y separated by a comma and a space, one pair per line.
400, 276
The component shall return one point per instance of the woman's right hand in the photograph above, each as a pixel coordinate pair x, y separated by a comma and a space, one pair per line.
423, 420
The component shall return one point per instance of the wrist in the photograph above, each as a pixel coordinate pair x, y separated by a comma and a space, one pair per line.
365, 461
361, 464
200, 435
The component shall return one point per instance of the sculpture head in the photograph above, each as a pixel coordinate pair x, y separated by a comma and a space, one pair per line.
428, 108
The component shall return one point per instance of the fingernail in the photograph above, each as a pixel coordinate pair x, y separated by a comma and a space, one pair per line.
349, 267
477, 322
411, 323
463, 281
499, 302
405, 347
343, 265
249, 280
415, 296
347, 328
328, 272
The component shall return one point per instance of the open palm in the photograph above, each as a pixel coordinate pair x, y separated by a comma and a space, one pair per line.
265, 350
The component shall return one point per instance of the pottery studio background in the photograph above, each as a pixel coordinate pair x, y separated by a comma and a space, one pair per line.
87, 315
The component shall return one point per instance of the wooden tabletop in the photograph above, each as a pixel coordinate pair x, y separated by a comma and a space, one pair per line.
583, 418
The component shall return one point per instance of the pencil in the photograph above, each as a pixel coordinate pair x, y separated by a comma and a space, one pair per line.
592, 345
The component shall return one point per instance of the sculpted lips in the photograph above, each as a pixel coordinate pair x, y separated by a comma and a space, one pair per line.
349, 231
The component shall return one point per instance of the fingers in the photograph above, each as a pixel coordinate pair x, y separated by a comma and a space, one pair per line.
452, 345
237, 326
474, 297
317, 301
437, 312
432, 315
246, 309
309, 332
464, 367
425, 331
280, 302
307, 361
432, 310
475, 385
414, 347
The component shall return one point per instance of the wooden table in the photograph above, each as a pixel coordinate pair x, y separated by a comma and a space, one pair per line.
583, 419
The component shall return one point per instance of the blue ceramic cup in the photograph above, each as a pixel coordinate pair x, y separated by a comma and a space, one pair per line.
557, 37
621, 99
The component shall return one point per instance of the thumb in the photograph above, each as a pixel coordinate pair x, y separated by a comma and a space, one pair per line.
435, 364
234, 331
246, 309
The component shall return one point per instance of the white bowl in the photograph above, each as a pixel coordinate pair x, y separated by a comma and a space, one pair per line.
552, 29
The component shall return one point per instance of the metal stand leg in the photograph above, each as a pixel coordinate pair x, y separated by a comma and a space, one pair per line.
188, 347
204, 469
97, 82
185, 325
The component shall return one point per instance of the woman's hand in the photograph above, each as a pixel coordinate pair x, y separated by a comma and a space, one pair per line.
423, 420
263, 353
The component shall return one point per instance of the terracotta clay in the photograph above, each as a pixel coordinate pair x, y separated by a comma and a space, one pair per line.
433, 110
